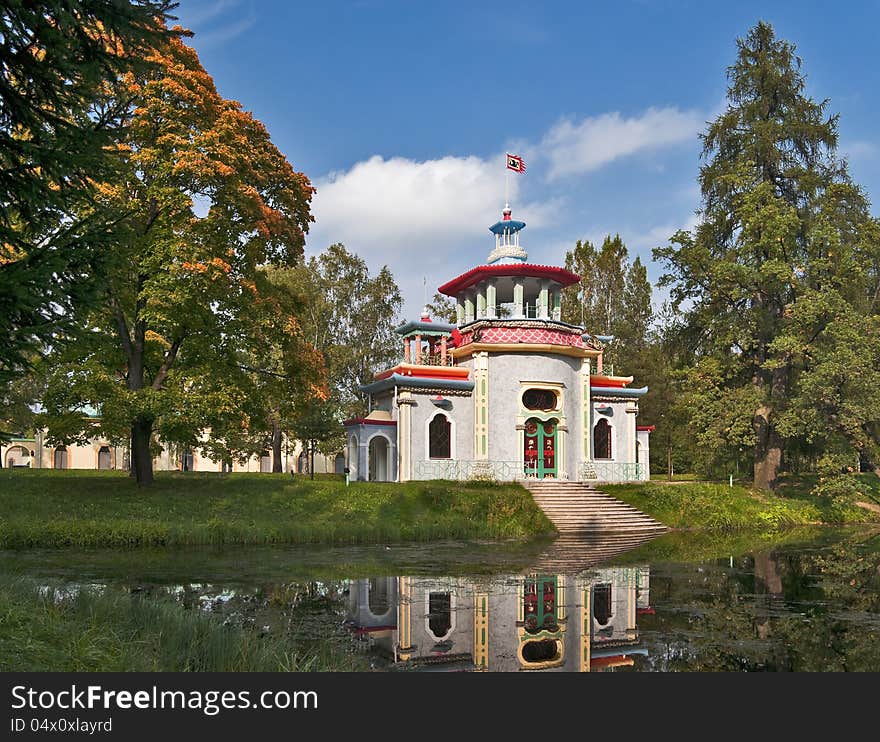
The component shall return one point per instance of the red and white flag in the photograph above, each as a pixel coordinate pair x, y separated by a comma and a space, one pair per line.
515, 163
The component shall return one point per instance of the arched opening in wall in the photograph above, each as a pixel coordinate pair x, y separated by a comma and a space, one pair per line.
539, 604
602, 610
18, 456
378, 456
59, 458
104, 458
440, 437
339, 464
602, 440
377, 596
302, 463
440, 614
539, 448
265, 462
187, 461
544, 650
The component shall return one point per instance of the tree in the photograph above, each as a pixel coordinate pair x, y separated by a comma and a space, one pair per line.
441, 308
56, 59
612, 298
164, 350
349, 317
770, 263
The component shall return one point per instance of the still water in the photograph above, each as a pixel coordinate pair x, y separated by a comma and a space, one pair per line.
801, 601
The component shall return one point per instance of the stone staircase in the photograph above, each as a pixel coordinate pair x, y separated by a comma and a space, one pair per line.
572, 553
579, 508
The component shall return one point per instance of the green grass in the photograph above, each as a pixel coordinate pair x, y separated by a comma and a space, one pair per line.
45, 508
701, 505
63, 630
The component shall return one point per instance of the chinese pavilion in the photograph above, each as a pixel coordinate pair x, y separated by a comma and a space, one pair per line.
508, 392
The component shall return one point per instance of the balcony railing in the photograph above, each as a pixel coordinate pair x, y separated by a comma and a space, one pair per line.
428, 359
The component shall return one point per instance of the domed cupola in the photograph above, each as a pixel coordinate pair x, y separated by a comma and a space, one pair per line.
507, 247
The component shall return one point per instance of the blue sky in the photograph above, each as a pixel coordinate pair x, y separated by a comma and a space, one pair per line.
400, 113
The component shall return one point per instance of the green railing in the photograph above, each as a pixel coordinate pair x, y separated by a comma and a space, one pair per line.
500, 471
513, 471
611, 471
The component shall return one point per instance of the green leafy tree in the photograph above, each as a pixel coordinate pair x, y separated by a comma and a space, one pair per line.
349, 317
785, 241
164, 351
612, 298
56, 60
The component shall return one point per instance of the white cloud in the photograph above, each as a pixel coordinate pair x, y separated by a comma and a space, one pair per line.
422, 219
575, 148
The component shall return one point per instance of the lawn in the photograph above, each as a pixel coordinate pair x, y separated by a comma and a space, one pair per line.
717, 506
46, 508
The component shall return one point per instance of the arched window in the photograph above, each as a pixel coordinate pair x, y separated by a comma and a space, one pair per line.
439, 614
104, 459
602, 609
59, 458
602, 440
440, 438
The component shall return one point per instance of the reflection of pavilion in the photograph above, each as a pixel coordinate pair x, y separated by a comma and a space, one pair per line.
533, 622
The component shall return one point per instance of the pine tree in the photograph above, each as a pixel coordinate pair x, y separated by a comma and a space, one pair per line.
781, 228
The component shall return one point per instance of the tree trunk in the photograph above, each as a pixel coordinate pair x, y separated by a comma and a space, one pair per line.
141, 460
277, 466
768, 449
312, 464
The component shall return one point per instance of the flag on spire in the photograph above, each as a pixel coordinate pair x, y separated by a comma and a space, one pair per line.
515, 163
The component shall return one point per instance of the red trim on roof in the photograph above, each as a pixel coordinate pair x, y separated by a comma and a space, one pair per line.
428, 372
475, 275
610, 381
616, 660
642, 611
361, 630
366, 421
647, 428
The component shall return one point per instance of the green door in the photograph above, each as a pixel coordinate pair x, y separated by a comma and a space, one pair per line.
539, 448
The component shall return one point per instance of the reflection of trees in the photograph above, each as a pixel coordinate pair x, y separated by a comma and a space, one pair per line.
816, 610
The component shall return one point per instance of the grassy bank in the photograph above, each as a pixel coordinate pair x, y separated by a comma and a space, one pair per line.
45, 508
701, 505
55, 629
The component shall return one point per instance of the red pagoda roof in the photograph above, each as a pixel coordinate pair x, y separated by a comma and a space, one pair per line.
475, 275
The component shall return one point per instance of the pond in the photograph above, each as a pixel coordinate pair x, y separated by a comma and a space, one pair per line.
799, 601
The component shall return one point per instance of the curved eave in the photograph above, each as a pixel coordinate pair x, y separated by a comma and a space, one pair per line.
615, 391
507, 225
416, 382
527, 270
432, 372
355, 421
424, 328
